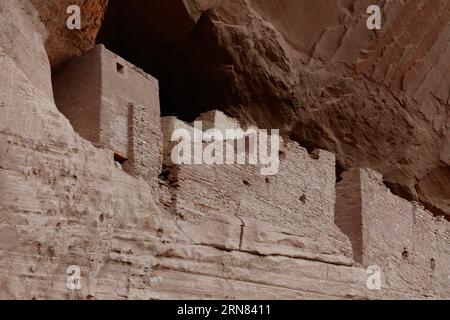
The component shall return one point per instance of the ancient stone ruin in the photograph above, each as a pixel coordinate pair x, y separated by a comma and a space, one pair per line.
115, 105
299, 213
88, 186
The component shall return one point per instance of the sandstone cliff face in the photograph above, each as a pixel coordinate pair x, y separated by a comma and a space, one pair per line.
61, 43
378, 99
65, 202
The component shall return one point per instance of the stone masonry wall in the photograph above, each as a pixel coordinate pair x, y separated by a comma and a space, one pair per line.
409, 245
113, 104
65, 202
77, 93
124, 84
144, 145
298, 201
348, 213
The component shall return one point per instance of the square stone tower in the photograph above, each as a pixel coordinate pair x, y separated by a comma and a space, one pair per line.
115, 105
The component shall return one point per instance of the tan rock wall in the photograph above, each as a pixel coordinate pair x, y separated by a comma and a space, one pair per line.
144, 145
299, 199
124, 84
348, 213
377, 99
404, 240
113, 104
64, 202
62, 44
77, 91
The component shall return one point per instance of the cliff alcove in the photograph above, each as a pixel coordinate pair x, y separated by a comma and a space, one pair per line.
312, 68
166, 42
285, 69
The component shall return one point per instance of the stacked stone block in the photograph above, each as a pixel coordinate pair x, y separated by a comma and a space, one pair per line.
115, 105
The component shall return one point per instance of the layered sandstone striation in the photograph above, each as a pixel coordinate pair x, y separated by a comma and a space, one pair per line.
226, 231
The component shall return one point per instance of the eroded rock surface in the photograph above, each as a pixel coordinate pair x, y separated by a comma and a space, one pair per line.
64, 201
376, 99
61, 43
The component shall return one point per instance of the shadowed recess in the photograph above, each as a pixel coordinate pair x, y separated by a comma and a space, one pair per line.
183, 54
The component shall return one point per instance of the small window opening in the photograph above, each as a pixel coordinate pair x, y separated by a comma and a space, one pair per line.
120, 68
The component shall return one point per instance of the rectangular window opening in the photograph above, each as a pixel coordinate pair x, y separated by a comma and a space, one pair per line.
120, 68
